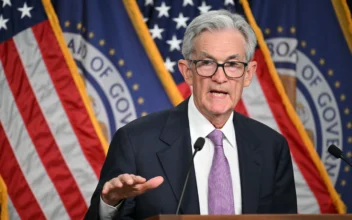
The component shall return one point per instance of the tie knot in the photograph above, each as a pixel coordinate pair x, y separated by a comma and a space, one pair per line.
216, 137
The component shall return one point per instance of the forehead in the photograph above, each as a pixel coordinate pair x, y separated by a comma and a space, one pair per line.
220, 43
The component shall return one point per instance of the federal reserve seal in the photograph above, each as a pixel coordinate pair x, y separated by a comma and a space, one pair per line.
315, 101
110, 97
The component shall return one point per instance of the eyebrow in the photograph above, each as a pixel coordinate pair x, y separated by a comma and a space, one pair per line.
234, 56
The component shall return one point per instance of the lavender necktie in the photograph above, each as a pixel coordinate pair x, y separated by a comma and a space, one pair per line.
220, 193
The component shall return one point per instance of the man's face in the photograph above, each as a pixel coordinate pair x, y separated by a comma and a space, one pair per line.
217, 95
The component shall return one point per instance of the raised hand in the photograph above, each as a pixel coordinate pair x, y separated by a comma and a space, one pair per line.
126, 186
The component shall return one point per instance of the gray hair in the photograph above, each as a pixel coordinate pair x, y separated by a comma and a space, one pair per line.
218, 20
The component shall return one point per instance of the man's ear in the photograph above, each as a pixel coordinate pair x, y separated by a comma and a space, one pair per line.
185, 69
248, 75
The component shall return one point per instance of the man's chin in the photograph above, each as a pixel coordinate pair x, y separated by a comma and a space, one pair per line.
220, 111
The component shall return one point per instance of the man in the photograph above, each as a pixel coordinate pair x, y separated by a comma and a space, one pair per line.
244, 166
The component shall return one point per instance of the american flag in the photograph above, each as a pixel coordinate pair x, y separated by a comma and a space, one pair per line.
50, 150
167, 21
265, 100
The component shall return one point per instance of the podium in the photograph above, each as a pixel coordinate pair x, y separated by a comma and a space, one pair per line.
252, 217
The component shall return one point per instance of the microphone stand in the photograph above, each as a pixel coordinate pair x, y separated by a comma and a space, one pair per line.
185, 183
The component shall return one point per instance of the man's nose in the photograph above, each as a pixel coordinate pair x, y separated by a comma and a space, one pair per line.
220, 75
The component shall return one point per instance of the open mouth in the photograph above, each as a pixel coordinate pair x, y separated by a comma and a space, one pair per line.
218, 93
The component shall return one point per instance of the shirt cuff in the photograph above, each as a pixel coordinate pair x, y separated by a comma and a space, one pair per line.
106, 211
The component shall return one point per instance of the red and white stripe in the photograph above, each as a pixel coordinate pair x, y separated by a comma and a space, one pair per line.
29, 186
11, 210
50, 155
54, 113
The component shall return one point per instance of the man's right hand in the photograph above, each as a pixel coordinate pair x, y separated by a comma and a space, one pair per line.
127, 186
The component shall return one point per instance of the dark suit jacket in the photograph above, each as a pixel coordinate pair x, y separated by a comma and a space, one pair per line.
160, 145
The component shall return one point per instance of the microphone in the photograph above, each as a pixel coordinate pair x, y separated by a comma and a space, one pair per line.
197, 147
336, 152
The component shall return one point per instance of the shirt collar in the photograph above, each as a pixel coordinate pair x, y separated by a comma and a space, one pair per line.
201, 127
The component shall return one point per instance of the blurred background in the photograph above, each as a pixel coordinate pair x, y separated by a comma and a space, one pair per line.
73, 72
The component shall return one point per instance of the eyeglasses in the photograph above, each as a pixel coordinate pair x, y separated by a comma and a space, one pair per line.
232, 69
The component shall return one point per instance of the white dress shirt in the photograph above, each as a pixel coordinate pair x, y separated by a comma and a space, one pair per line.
201, 127
107, 212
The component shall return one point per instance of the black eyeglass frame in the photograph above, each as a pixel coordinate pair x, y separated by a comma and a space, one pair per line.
221, 65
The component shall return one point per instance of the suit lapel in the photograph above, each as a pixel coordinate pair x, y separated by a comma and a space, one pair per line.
249, 164
175, 159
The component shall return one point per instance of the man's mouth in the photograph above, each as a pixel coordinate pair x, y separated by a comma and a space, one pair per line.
218, 93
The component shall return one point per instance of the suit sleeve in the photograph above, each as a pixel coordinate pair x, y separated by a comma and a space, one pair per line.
120, 159
285, 200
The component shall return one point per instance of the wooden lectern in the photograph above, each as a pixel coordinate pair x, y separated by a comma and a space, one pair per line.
251, 217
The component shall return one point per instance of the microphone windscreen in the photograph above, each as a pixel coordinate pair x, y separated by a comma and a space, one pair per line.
335, 151
199, 144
